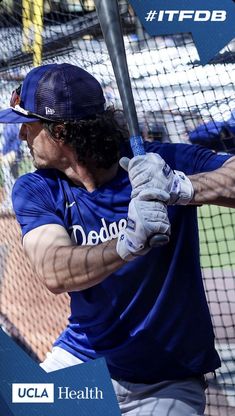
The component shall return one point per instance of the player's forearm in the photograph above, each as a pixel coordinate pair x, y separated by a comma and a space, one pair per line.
217, 187
74, 268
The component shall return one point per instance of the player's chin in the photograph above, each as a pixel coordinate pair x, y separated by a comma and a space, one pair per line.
40, 164
36, 164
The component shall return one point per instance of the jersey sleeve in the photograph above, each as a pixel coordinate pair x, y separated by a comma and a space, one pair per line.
190, 159
205, 160
33, 203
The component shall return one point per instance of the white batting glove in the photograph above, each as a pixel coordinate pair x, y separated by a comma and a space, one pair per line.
147, 219
151, 170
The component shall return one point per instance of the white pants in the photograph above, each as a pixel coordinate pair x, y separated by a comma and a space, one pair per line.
168, 398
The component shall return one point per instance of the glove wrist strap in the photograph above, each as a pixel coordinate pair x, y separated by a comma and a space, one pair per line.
186, 189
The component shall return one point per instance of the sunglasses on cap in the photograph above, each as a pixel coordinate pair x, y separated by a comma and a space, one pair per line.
15, 105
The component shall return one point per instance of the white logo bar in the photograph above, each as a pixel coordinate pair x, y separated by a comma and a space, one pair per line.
32, 393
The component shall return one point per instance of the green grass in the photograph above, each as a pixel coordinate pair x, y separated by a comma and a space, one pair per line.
217, 236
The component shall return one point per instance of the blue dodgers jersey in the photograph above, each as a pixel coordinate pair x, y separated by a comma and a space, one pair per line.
149, 319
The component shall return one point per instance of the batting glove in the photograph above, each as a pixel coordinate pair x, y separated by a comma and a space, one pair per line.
152, 171
147, 219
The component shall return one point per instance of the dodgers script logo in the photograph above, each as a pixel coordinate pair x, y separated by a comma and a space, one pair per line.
93, 237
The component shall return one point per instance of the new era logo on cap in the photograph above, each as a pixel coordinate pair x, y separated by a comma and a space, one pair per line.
49, 110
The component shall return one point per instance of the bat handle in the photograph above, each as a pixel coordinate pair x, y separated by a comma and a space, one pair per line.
137, 145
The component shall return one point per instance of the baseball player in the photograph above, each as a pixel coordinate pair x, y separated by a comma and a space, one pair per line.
87, 224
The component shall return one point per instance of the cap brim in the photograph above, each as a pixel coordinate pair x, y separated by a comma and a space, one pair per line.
11, 116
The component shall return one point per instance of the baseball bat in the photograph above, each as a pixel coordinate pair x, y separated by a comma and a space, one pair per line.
110, 22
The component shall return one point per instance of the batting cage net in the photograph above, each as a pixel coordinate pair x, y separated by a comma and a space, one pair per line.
177, 100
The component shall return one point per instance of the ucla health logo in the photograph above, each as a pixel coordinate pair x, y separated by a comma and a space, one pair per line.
32, 393
84, 389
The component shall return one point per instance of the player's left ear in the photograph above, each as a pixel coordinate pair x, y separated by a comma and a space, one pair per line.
58, 132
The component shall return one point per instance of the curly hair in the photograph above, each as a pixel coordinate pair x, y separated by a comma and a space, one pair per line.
96, 139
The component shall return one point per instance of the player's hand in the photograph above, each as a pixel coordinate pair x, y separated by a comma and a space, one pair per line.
152, 171
146, 219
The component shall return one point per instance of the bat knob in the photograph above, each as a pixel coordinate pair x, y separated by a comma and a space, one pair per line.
159, 240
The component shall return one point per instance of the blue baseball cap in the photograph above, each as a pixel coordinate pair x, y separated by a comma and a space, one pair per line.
55, 92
